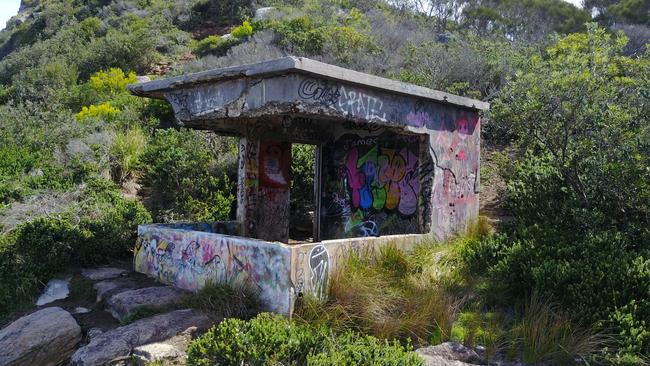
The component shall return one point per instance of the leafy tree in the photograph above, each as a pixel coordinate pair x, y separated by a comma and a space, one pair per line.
584, 109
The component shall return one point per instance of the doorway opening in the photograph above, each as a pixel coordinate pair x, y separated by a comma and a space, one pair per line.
303, 207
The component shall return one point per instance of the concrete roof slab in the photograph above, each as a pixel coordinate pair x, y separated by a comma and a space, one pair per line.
160, 89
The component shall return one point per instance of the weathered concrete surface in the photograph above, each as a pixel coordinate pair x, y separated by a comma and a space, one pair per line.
302, 65
45, 337
123, 304
102, 273
56, 289
121, 341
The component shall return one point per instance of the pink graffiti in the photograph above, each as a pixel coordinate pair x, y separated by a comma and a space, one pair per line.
356, 178
418, 119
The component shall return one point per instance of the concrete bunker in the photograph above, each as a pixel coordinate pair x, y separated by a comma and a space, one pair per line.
394, 163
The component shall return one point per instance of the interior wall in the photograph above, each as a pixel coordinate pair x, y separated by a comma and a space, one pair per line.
370, 184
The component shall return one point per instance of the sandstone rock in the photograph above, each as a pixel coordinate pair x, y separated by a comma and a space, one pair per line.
264, 13
107, 288
119, 342
125, 303
81, 310
55, 290
451, 351
142, 78
45, 337
157, 352
94, 332
102, 273
441, 361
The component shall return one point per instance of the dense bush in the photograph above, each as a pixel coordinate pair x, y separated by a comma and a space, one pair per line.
579, 190
272, 339
184, 180
37, 250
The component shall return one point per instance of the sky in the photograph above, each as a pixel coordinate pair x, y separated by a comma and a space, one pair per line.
9, 8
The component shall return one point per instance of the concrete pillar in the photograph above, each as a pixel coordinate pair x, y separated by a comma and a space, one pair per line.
248, 186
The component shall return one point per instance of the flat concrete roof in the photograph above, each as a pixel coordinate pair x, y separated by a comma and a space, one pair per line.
290, 64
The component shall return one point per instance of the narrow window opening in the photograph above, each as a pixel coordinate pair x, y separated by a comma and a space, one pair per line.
302, 197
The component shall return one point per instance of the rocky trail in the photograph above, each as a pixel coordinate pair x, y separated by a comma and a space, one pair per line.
104, 316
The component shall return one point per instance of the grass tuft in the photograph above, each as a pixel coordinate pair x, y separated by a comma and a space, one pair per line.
225, 299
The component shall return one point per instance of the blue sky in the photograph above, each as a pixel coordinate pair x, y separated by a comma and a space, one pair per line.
9, 8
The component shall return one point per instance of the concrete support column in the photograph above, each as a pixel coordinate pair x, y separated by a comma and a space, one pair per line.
248, 186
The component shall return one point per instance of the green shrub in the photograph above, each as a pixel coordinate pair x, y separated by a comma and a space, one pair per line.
188, 180
353, 349
216, 45
300, 35
103, 111
37, 250
272, 340
242, 31
264, 340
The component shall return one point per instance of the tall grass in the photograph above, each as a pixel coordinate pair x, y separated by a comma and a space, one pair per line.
225, 299
420, 295
545, 334
384, 295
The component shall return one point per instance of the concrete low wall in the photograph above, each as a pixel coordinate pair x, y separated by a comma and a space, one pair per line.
189, 259
181, 256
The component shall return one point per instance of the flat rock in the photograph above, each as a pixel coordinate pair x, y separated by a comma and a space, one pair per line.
56, 289
102, 273
123, 304
451, 351
45, 337
441, 361
119, 342
107, 288
157, 352
81, 310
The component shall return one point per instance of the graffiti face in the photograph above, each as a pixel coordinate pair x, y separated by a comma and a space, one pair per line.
381, 185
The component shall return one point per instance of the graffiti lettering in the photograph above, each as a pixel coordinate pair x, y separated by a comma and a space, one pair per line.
320, 91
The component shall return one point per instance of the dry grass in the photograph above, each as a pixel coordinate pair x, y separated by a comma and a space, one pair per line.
544, 334
387, 296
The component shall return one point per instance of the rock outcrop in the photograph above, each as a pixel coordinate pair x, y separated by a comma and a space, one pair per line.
45, 337
102, 273
120, 342
123, 304
449, 354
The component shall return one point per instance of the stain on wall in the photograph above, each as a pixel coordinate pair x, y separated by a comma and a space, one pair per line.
370, 185
190, 259
456, 180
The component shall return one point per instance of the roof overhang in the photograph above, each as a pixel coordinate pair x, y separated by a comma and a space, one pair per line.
297, 86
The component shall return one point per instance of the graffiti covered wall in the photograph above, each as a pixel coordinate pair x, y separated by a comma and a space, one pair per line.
370, 185
190, 259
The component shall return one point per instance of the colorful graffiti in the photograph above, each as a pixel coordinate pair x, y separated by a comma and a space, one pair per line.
372, 185
191, 259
